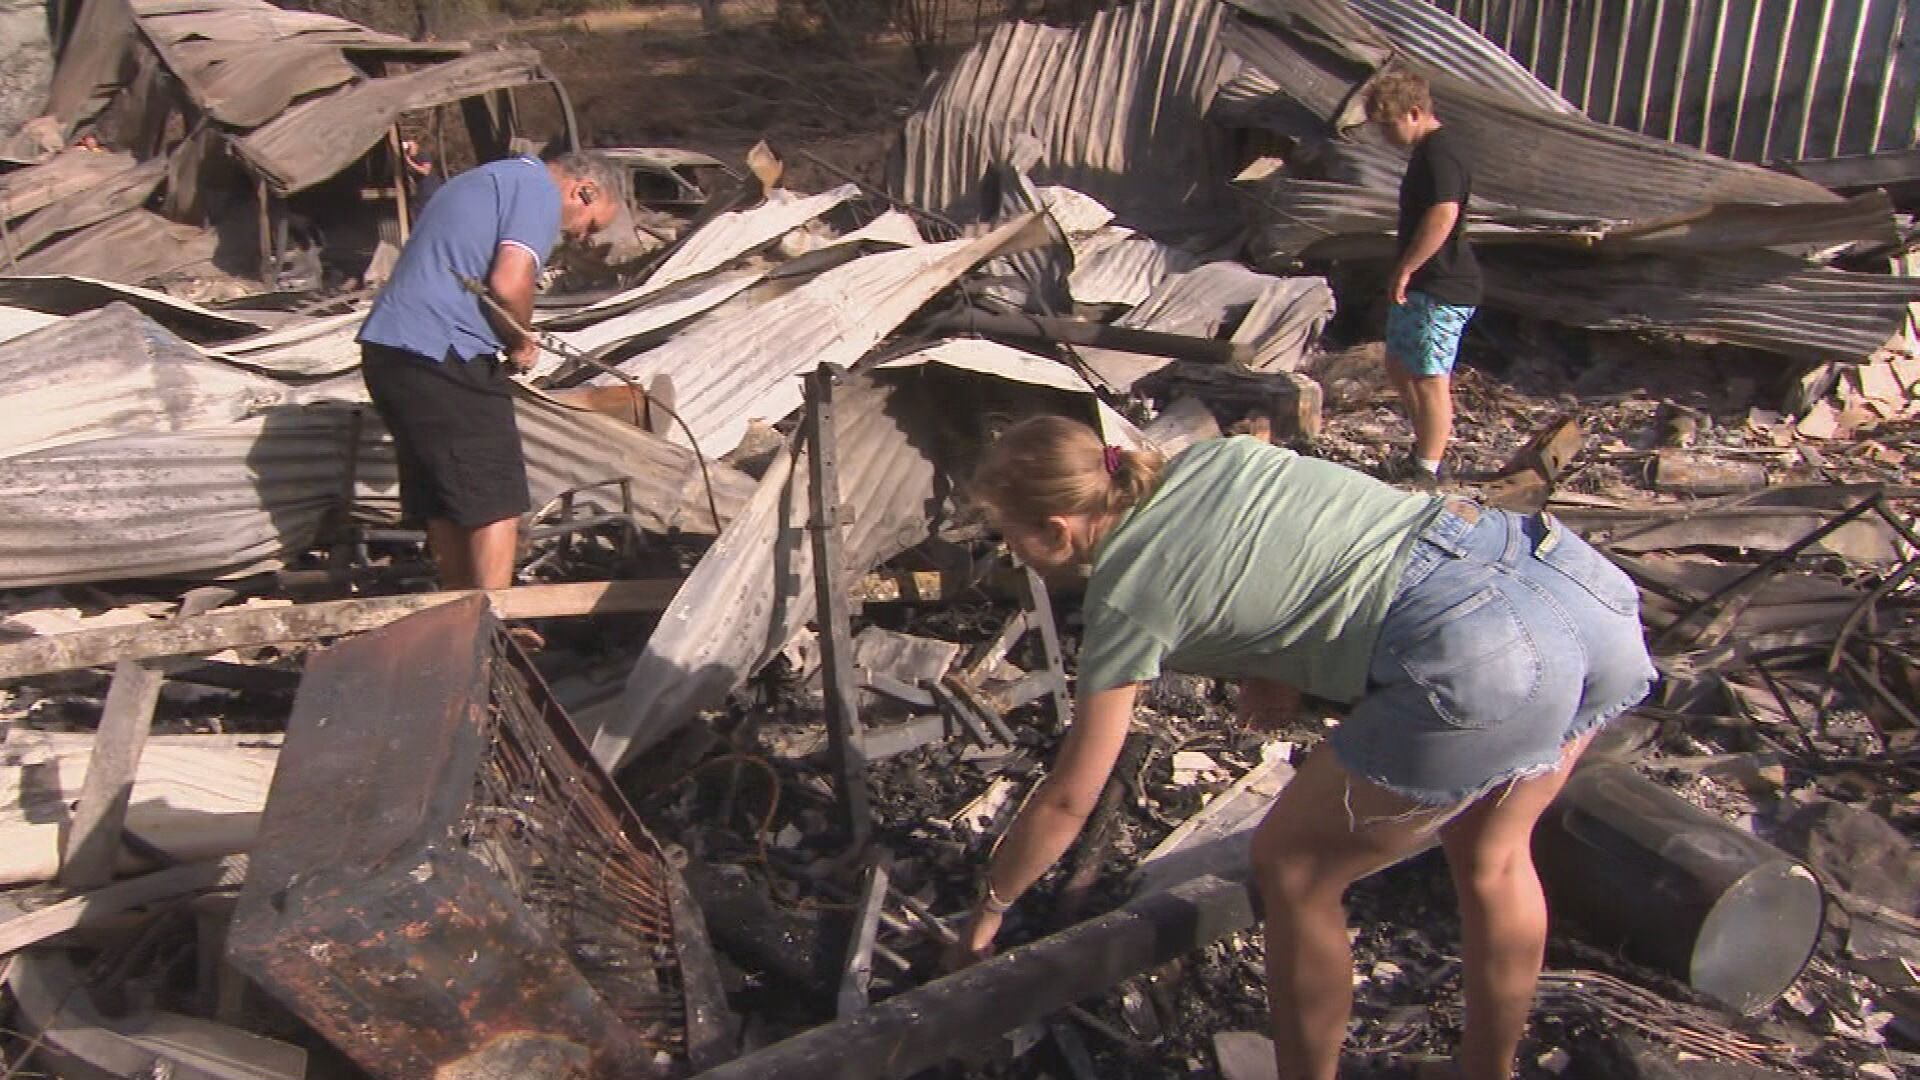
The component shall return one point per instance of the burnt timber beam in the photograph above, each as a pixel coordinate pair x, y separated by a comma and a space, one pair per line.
921, 1028
301, 622
1051, 330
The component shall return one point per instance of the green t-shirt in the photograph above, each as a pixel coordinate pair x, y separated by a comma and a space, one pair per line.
1250, 560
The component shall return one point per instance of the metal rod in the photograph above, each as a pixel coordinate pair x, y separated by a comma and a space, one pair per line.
1653, 61
1678, 95
1620, 65
1746, 71
1810, 87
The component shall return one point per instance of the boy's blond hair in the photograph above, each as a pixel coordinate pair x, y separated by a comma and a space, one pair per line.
1397, 93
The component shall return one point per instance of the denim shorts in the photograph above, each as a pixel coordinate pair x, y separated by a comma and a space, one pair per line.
1423, 334
1508, 638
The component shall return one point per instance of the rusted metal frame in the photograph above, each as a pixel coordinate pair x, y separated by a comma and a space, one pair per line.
1733, 597
1780, 698
93, 844
1039, 604
1876, 687
836, 640
1866, 604
857, 975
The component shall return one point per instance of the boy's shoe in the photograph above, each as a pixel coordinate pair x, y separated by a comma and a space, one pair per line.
1406, 472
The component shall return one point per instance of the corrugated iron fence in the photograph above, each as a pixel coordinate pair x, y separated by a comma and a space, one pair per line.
1756, 80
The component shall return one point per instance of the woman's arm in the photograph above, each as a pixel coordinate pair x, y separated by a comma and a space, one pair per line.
1054, 817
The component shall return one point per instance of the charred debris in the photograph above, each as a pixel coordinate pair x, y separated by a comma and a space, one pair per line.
269, 806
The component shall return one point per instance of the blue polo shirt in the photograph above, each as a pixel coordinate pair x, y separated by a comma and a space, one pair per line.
423, 308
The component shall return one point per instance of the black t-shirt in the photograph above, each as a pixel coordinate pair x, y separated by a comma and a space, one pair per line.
1437, 174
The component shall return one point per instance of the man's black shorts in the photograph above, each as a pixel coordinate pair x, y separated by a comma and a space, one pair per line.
454, 433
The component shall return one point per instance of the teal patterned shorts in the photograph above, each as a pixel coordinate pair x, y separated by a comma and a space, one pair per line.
1423, 334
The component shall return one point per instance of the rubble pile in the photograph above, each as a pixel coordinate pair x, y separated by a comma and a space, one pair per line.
273, 807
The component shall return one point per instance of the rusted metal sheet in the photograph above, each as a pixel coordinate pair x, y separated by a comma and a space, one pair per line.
1429, 35
316, 139
62, 176
1755, 80
109, 197
1118, 108
445, 884
740, 232
134, 246
741, 362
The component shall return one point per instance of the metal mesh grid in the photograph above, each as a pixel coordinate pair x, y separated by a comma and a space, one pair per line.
537, 822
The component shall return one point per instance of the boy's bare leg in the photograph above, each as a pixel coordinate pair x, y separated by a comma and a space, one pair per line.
1503, 915
1328, 829
1432, 412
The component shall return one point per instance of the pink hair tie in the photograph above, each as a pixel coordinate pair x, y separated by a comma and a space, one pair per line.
1110, 456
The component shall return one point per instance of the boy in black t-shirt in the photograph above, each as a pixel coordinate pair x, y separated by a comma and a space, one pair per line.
1436, 282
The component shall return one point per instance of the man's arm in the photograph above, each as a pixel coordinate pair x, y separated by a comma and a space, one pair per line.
1047, 827
512, 280
1428, 237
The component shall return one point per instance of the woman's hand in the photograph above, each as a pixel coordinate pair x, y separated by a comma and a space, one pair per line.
976, 940
1266, 705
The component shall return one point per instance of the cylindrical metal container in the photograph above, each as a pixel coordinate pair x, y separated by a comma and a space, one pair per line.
1676, 888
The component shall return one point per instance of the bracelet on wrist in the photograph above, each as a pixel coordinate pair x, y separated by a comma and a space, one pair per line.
992, 903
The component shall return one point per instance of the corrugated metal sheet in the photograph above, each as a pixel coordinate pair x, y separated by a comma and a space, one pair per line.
314, 140
67, 294
1117, 106
15, 321
135, 246
740, 232
240, 497
742, 361
1755, 80
1209, 301
110, 197
753, 589
307, 349
1772, 302
662, 309
1119, 266
61, 176
1523, 156
1438, 40
218, 501
115, 371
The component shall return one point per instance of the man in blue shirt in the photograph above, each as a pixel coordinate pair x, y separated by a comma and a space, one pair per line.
439, 366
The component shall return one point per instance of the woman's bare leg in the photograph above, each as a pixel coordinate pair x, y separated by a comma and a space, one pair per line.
1503, 915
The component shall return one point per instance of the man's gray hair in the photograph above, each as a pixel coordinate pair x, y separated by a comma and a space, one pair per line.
596, 169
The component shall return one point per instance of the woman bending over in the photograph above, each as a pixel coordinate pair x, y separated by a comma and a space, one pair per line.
1479, 651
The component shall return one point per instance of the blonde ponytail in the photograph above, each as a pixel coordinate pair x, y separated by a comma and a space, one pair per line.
1048, 465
